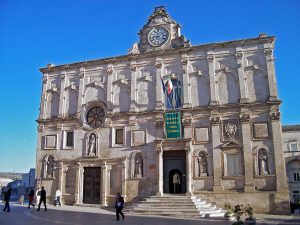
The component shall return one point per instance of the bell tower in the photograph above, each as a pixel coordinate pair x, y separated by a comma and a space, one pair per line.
160, 32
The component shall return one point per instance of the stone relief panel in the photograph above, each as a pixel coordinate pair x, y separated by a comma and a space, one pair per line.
231, 130
257, 85
121, 98
260, 131
50, 141
145, 96
201, 134
138, 137
228, 88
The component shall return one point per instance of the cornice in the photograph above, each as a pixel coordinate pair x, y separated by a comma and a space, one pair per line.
160, 53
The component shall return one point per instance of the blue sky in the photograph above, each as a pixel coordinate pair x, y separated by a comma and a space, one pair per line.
35, 33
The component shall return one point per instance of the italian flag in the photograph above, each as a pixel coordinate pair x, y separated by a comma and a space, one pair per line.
169, 87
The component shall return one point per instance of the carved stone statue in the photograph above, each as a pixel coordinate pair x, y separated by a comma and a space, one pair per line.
202, 165
263, 163
92, 145
49, 167
138, 167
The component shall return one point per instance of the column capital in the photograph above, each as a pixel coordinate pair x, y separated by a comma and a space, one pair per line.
210, 58
274, 115
215, 120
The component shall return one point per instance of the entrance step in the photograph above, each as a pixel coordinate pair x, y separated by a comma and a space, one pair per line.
177, 205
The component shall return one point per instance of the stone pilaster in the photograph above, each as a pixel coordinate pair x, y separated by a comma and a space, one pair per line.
189, 169
280, 170
186, 98
133, 88
43, 103
159, 90
79, 183
61, 113
247, 150
160, 161
241, 75
215, 122
109, 88
124, 178
107, 183
103, 186
212, 82
271, 73
81, 90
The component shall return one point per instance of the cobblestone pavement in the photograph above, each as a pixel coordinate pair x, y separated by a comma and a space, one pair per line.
74, 215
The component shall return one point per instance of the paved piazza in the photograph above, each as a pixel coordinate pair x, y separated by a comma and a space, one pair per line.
72, 215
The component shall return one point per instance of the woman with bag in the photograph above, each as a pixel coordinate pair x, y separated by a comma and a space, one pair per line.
119, 206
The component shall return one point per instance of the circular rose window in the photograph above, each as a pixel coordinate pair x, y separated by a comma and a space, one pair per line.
95, 116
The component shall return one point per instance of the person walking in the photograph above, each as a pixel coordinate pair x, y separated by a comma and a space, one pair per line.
57, 197
7, 194
37, 196
42, 199
30, 198
119, 206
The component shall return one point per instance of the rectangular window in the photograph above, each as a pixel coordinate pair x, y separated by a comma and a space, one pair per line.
296, 177
69, 139
119, 136
293, 147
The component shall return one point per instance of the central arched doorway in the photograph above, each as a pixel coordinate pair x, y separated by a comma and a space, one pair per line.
174, 167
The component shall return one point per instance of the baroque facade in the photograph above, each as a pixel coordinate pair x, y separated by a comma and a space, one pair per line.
102, 123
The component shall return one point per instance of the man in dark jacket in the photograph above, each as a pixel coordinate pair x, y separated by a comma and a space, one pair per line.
42, 199
7, 194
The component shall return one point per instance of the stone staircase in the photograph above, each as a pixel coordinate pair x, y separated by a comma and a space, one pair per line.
176, 205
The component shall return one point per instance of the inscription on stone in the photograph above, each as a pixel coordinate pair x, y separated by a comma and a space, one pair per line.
260, 130
201, 134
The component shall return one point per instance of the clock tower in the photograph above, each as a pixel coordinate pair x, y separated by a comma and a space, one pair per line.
160, 32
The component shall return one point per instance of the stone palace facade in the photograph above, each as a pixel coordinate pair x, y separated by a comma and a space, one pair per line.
102, 123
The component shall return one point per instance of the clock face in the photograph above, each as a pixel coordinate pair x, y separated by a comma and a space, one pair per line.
95, 116
158, 36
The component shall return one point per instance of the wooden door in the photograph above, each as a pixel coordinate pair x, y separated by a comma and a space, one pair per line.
91, 185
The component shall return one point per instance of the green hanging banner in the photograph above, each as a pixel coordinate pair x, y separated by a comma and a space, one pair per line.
173, 125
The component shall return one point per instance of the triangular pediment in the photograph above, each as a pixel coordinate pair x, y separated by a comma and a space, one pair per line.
230, 144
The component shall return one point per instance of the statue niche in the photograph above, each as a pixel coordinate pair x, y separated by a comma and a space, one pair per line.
201, 160
48, 167
92, 145
263, 162
137, 165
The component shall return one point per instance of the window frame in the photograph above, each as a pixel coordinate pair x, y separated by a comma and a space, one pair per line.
65, 140
114, 133
293, 143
